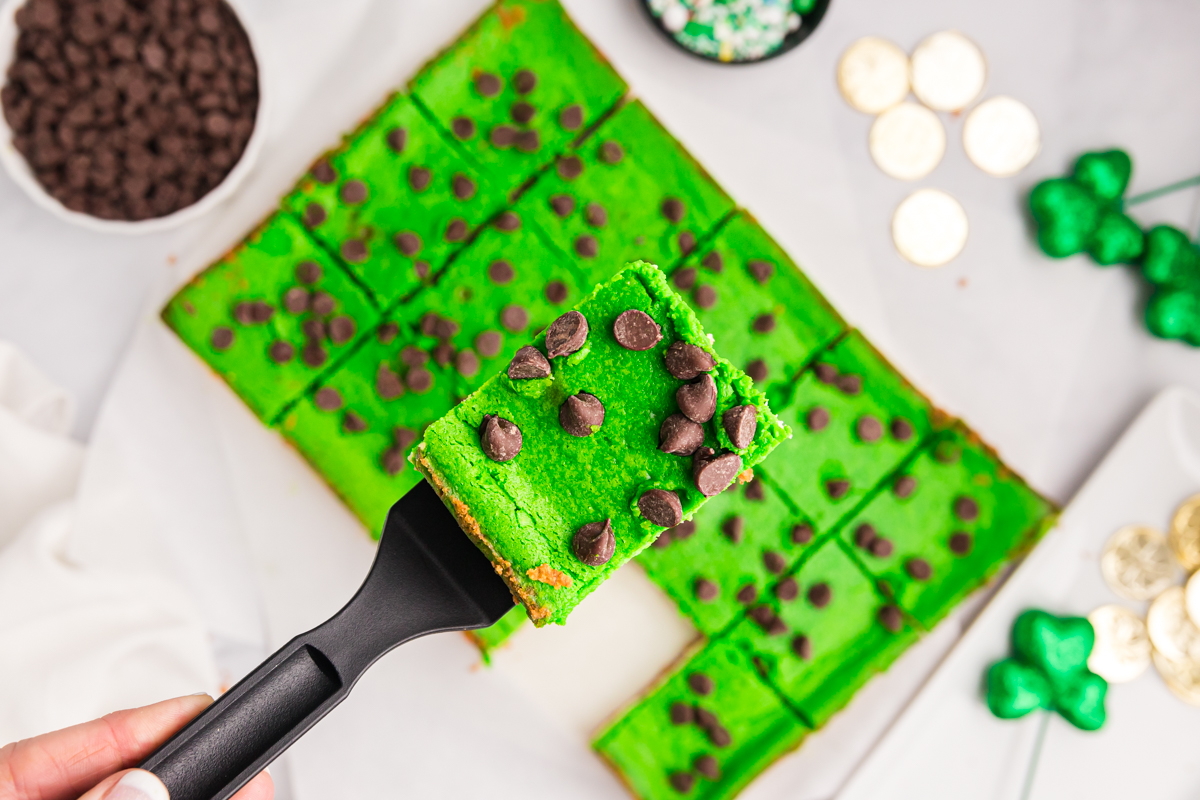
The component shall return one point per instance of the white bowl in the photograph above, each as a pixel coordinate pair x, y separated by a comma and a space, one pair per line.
22, 175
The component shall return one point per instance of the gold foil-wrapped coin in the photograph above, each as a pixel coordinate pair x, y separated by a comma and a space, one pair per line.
1185, 533
1122, 649
873, 75
907, 141
1137, 563
948, 71
1001, 136
1181, 677
1171, 630
929, 228
1191, 598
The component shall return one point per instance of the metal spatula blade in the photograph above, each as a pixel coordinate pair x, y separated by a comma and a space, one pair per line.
427, 577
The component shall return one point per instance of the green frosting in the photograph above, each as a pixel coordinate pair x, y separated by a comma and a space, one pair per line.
646, 748
652, 169
356, 462
513, 35
766, 309
1049, 670
262, 269
848, 641
524, 512
681, 557
810, 465
954, 487
393, 206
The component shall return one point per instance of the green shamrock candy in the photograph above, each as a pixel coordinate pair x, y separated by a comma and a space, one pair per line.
1116, 240
1066, 214
1049, 670
1105, 173
1174, 313
1083, 212
1170, 258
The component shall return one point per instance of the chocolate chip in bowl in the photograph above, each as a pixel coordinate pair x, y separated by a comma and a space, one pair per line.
128, 116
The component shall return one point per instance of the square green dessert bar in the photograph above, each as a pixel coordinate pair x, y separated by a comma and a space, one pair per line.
731, 553
944, 524
358, 425
518, 87
705, 731
628, 192
763, 313
272, 315
822, 633
395, 202
855, 419
618, 422
507, 284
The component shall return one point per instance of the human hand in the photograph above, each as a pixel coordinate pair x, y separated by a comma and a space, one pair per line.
91, 761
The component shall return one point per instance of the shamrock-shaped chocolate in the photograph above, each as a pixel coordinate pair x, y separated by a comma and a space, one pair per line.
1048, 670
1082, 212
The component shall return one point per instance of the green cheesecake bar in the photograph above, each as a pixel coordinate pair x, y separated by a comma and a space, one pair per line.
945, 523
834, 633
395, 202
358, 425
704, 731
518, 87
855, 419
628, 192
505, 287
554, 468
763, 313
729, 555
272, 315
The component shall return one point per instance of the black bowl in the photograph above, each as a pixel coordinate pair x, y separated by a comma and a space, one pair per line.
808, 24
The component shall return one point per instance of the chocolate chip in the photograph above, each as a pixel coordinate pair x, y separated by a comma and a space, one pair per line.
569, 167
774, 562
611, 152
864, 534
734, 529
960, 543
918, 569
323, 303
705, 296
673, 209
685, 278
682, 782
503, 136
719, 736
686, 361
566, 335
467, 363
499, 438
635, 330
514, 318
571, 117
747, 594
528, 363
661, 507
353, 423
408, 243
556, 292
392, 460
415, 356
354, 192
429, 324
837, 488
698, 401
819, 594
463, 187
445, 328
387, 383
740, 423
868, 428
314, 215
825, 373
419, 178
314, 354
587, 246
488, 344
500, 271
397, 138
680, 436
705, 590
787, 590
761, 270
354, 251
902, 429
507, 221
456, 230
880, 547
802, 533
403, 437
323, 172
966, 509
525, 80
683, 530
222, 338
443, 353
687, 242
419, 379
764, 323
849, 384
314, 329
522, 112
341, 330
762, 615
595, 215
947, 453
252, 312
712, 476
328, 399
528, 141
487, 84
707, 766
462, 127
904, 486
701, 684
682, 714
594, 543
421, 268
817, 419
776, 627
281, 352
802, 647
580, 415
562, 204
891, 618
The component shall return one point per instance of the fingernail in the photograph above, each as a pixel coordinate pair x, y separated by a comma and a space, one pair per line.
138, 785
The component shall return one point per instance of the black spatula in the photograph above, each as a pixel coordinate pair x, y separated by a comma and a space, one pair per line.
427, 577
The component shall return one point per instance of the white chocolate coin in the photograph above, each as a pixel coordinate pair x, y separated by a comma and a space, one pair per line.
929, 228
1122, 649
948, 71
1171, 632
1185, 533
1001, 136
873, 75
1137, 563
907, 141
1181, 677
